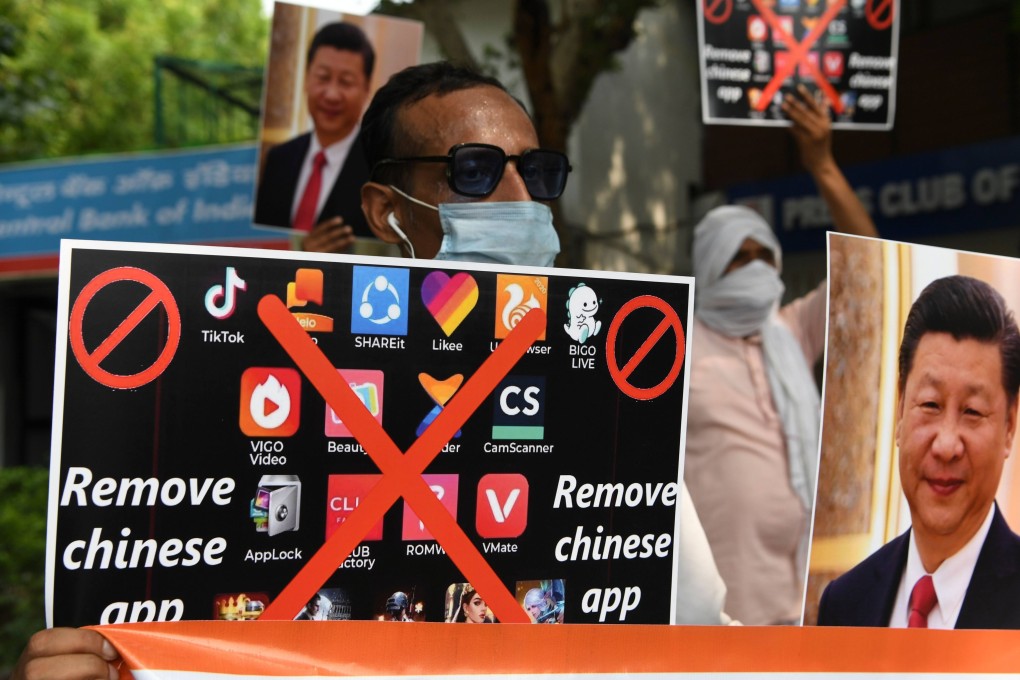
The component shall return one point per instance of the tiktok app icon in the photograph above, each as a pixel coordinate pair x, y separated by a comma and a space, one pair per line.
270, 402
502, 507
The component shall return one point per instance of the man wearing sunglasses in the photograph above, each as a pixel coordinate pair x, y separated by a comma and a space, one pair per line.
457, 174
455, 159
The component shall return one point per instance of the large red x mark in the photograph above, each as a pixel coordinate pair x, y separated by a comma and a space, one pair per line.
798, 51
401, 472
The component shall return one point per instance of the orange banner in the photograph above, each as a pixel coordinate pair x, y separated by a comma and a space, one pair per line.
356, 648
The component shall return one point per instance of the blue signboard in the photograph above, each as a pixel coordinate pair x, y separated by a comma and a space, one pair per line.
940, 192
192, 196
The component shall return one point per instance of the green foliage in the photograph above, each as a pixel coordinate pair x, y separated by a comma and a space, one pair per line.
76, 76
22, 558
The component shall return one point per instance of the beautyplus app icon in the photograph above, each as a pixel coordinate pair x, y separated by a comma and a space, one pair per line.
368, 386
379, 301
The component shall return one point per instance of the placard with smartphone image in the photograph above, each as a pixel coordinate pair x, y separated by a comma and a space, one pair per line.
243, 433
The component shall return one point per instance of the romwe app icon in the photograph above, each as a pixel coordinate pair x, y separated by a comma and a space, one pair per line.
276, 507
345, 493
515, 297
502, 506
221, 299
582, 306
519, 412
440, 391
445, 488
307, 287
270, 402
368, 386
379, 301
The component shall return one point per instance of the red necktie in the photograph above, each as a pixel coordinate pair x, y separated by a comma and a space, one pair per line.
922, 601
305, 218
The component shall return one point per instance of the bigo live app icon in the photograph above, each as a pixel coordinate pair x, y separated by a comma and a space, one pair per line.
270, 402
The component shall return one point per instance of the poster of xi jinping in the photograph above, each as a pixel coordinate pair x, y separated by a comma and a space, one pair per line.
243, 434
755, 52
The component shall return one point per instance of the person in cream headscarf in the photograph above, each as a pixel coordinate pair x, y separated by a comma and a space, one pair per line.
753, 420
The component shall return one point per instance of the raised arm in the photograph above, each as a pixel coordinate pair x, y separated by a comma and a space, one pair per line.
812, 130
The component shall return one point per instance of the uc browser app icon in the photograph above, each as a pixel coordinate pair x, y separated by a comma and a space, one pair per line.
515, 297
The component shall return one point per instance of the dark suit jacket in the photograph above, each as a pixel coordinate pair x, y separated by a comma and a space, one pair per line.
279, 182
864, 596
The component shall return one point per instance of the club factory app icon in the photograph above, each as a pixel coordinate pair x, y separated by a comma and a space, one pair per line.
440, 391
519, 411
445, 488
368, 386
276, 507
344, 495
501, 510
270, 402
307, 287
379, 301
221, 299
515, 297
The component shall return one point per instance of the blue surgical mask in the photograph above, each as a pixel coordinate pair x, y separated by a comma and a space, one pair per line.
510, 232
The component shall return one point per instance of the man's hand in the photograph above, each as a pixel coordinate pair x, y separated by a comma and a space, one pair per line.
330, 236
812, 129
67, 654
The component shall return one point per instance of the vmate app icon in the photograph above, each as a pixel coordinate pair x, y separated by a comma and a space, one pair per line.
502, 506
270, 402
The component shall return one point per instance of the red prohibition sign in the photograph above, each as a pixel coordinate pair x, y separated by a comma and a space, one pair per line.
620, 375
401, 471
717, 11
159, 295
879, 13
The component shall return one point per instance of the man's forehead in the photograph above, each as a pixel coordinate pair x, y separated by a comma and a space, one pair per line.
327, 56
480, 113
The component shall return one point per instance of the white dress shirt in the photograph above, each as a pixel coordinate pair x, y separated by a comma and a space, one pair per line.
951, 581
336, 156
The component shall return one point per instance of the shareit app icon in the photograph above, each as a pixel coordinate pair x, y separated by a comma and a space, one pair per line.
502, 507
445, 488
379, 301
515, 297
270, 402
368, 386
519, 412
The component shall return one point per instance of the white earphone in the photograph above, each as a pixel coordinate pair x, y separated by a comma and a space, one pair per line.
394, 223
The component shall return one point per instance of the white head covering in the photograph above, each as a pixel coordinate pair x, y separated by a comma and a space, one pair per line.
744, 302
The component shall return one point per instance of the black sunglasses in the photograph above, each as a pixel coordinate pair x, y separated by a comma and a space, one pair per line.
475, 170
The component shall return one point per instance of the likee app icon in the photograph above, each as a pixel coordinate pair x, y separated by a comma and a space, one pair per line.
449, 299
221, 299
379, 301
501, 510
270, 402
445, 488
368, 386
344, 495
276, 507
515, 297
307, 287
519, 411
